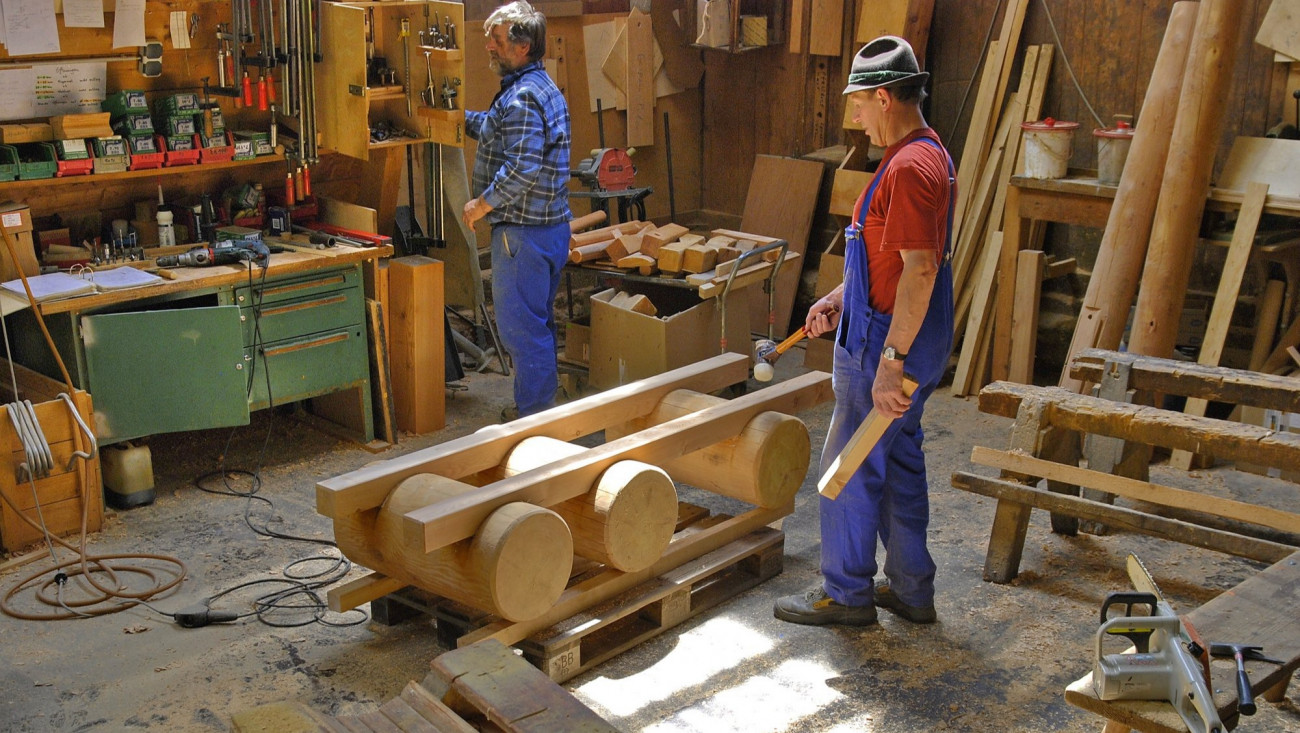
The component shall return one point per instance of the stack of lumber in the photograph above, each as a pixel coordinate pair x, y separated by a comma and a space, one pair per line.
674, 251
483, 686
493, 520
991, 156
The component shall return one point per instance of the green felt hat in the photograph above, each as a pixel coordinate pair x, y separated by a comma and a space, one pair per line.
887, 61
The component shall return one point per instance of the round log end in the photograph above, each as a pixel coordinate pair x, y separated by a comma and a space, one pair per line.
637, 505
525, 555
783, 462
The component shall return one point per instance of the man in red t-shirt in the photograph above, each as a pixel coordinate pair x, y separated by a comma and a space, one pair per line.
892, 314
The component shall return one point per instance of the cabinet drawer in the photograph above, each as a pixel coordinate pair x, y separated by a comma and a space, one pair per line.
309, 366
297, 286
291, 318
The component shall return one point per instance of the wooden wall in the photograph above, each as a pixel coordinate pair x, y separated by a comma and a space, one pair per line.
761, 102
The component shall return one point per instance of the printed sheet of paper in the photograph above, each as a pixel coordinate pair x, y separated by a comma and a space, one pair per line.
17, 94
83, 13
30, 27
128, 23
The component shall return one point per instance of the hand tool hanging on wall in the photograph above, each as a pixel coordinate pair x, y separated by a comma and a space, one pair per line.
405, 33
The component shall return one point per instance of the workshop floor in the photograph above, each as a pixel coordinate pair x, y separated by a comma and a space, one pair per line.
998, 660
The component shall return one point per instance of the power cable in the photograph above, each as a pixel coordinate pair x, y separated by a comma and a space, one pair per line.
1064, 57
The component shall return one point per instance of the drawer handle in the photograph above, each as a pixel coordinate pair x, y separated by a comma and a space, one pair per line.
281, 310
306, 344
335, 280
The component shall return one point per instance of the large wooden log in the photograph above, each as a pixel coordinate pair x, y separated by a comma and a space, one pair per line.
625, 521
516, 565
1186, 182
458, 517
1114, 281
764, 465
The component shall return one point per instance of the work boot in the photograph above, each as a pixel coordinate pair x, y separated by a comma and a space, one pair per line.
886, 599
816, 608
509, 414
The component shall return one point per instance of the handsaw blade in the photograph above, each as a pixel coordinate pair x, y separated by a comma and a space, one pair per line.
1141, 578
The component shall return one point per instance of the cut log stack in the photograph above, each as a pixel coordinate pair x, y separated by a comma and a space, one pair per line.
508, 546
672, 251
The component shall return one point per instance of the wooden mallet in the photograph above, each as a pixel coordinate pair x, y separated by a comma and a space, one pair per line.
858, 448
766, 352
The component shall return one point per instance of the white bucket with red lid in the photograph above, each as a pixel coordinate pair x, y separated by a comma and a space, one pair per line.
1048, 145
1112, 151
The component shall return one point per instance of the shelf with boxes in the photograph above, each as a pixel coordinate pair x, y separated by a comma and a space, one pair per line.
394, 75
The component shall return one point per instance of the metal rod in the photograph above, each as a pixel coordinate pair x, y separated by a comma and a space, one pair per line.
668, 153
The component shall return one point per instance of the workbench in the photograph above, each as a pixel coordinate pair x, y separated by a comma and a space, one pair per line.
206, 348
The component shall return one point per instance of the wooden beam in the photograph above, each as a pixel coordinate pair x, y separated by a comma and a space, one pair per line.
1225, 299
367, 487
1114, 516
980, 308
457, 518
1149, 425
416, 343
1169, 376
362, 590
1141, 490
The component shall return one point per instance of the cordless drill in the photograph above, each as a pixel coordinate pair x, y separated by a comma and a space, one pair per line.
227, 252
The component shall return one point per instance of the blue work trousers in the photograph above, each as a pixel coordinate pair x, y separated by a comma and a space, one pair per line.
526, 266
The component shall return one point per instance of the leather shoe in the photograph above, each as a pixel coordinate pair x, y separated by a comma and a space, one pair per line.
817, 608
886, 599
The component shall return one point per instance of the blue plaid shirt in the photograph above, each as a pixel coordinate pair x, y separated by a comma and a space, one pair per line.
522, 165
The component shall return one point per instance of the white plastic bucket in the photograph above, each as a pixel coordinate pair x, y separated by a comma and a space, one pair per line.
1112, 152
1047, 147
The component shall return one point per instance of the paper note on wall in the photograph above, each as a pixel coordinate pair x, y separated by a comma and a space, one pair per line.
69, 88
30, 27
83, 13
128, 23
17, 97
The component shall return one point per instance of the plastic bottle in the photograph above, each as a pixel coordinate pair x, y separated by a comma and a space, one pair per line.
166, 234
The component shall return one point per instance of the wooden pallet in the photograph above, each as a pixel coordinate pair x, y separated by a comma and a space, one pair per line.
483, 686
597, 634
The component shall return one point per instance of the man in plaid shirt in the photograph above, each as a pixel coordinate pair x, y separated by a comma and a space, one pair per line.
520, 180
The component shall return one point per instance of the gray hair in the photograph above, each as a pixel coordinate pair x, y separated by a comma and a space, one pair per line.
524, 24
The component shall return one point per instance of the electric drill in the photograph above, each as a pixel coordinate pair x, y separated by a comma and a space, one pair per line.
226, 252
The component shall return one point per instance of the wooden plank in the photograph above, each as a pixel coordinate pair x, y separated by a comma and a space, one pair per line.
434, 710
1270, 161
1268, 313
512, 693
859, 446
1133, 489
1148, 425
847, 187
970, 233
1114, 516
972, 153
640, 80
747, 276
362, 590
1225, 299
417, 346
1279, 357
457, 518
381, 377
826, 37
1170, 376
980, 307
367, 487
279, 717
1280, 29
798, 9
407, 718
348, 215
1024, 316
780, 203
682, 64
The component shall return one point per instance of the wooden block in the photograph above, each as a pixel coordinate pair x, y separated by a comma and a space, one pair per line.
719, 241
666, 234
698, 258
73, 126
827, 33
603, 234
589, 252
753, 30
738, 235
417, 343
30, 132
671, 257
637, 260
639, 303
624, 245
727, 254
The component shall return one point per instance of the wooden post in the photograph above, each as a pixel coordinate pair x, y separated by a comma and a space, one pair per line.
1024, 316
1186, 180
416, 343
1114, 280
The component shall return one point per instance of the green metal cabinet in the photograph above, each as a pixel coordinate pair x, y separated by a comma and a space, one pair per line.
206, 357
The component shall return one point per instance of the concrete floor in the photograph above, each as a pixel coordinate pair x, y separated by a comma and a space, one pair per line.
998, 660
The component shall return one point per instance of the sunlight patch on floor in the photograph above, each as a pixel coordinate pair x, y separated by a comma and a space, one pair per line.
713, 647
793, 691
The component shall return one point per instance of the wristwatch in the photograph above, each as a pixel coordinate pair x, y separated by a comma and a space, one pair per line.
892, 354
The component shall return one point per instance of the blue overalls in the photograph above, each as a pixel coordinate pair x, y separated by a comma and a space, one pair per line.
888, 496
526, 266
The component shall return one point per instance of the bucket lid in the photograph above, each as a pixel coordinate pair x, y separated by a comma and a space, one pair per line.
1121, 130
1048, 124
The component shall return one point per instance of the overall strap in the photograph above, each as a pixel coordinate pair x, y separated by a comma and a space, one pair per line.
952, 198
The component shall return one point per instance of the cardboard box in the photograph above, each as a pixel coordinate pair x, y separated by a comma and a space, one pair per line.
577, 342
627, 346
17, 219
